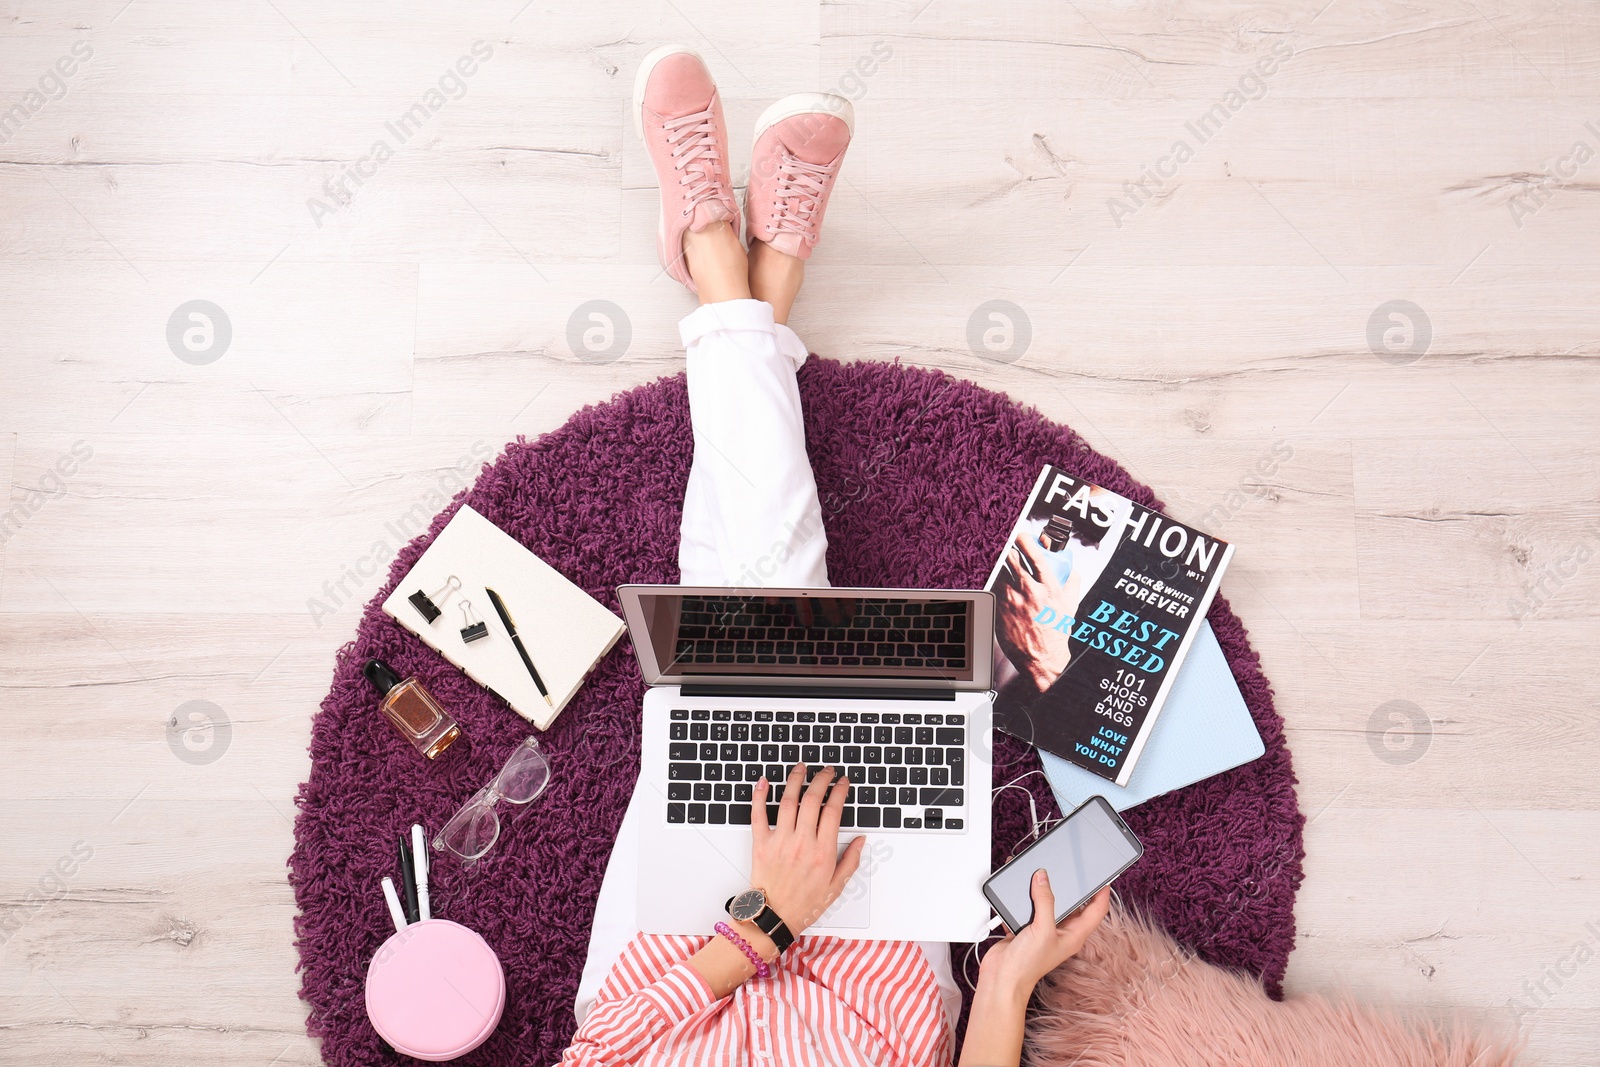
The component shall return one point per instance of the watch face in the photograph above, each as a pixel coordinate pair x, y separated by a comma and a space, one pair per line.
747, 905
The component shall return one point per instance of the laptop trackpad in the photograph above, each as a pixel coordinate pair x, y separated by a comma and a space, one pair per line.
853, 908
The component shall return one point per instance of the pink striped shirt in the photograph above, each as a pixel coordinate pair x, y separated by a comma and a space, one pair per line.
829, 1002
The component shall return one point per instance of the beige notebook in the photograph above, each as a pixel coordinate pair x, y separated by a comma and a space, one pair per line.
564, 629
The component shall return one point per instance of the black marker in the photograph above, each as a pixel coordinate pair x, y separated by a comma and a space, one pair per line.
511, 628
408, 876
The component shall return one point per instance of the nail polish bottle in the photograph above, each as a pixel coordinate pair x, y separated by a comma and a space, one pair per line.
412, 710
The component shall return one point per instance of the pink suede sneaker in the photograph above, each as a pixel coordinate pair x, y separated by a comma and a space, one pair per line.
800, 144
678, 113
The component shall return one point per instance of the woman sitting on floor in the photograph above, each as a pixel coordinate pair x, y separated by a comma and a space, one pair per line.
658, 999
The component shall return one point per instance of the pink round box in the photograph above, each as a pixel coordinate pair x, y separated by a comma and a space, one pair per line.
435, 990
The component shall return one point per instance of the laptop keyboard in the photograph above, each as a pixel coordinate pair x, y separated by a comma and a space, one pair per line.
907, 770
878, 633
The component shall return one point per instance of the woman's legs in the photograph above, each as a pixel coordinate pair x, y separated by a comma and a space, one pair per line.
722, 270
729, 364
776, 278
717, 263
751, 516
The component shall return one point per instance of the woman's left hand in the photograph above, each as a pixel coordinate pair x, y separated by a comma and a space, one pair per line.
1012, 968
1018, 962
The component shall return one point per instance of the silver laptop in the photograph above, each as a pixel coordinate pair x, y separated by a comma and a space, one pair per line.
892, 685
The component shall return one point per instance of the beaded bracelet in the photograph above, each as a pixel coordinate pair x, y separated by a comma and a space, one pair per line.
762, 970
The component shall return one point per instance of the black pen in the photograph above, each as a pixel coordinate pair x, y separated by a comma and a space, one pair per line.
511, 628
408, 875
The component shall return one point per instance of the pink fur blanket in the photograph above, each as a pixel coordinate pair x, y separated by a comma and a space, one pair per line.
1134, 998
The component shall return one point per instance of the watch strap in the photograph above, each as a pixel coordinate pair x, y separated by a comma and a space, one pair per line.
770, 923
774, 927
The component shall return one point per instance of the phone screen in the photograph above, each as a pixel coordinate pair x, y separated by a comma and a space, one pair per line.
1085, 851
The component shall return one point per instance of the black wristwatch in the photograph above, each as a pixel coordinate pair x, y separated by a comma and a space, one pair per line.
751, 907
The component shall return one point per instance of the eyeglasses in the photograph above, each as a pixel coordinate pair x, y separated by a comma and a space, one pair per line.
472, 831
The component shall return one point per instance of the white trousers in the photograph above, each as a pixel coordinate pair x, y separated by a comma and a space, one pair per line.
751, 518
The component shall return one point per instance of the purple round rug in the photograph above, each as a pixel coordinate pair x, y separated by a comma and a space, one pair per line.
921, 478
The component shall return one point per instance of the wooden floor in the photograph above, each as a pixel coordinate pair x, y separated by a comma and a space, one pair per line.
1324, 274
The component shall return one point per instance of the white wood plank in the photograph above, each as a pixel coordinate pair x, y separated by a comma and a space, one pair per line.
216, 524
549, 49
11, 521
961, 49
310, 347
485, 125
1285, 207
1511, 533
8, 451
493, 348
1379, 715
138, 217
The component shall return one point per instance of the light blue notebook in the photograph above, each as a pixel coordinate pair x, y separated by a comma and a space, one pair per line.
1204, 729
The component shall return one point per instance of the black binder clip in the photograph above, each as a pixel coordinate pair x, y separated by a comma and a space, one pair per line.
475, 627
424, 602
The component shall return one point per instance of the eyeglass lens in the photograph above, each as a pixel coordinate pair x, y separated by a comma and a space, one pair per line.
525, 775
474, 829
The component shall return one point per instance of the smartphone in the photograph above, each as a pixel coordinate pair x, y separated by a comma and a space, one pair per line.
1083, 853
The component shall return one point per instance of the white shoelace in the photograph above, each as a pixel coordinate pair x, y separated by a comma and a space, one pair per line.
801, 186
697, 159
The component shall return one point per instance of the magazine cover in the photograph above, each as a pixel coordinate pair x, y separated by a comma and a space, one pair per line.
1097, 600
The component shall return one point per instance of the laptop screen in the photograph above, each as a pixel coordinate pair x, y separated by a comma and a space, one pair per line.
696, 634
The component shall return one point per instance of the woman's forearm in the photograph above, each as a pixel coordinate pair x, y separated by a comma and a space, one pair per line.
1011, 968
724, 965
994, 1028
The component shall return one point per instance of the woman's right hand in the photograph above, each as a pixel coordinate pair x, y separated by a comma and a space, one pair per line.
796, 861
1018, 962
